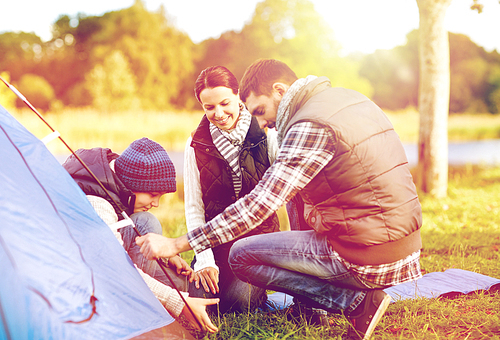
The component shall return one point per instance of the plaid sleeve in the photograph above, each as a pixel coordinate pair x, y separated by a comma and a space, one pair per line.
306, 150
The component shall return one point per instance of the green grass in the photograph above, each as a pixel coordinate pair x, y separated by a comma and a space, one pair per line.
87, 128
461, 127
461, 231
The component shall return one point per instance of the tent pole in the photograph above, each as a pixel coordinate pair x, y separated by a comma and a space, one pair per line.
123, 213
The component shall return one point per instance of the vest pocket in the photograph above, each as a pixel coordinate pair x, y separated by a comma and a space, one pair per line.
330, 220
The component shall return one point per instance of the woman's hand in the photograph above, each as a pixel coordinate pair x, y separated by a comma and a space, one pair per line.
199, 308
209, 278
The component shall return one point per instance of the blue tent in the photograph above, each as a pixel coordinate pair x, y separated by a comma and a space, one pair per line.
63, 275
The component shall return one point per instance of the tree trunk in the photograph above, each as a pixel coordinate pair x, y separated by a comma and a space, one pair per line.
434, 98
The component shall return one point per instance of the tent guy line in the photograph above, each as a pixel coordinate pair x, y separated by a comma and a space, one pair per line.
56, 134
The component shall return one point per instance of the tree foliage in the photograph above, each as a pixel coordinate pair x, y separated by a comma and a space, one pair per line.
20, 53
38, 91
159, 55
291, 31
469, 70
394, 75
112, 85
165, 63
494, 89
7, 97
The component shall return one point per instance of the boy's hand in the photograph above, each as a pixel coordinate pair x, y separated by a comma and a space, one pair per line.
198, 306
181, 266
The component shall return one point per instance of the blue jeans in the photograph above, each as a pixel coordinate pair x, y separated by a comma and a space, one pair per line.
146, 222
299, 263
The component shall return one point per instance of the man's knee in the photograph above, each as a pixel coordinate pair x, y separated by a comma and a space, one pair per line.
235, 253
240, 259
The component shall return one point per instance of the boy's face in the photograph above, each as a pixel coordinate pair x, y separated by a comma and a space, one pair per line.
147, 200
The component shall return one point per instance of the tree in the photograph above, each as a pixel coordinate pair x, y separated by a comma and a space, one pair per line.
494, 95
293, 32
469, 69
112, 84
393, 74
159, 55
434, 98
20, 53
37, 90
469, 86
7, 97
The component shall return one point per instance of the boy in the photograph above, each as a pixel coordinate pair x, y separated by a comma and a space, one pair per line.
136, 180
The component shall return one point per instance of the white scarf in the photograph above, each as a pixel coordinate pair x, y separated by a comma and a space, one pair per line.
283, 115
229, 144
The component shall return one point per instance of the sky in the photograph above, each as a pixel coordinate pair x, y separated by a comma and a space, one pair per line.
359, 25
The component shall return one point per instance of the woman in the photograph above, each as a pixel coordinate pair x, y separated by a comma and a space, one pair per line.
225, 158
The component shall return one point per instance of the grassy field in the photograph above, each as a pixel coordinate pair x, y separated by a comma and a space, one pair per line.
83, 128
461, 231
461, 127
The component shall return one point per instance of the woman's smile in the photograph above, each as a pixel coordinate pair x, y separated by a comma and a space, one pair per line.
222, 106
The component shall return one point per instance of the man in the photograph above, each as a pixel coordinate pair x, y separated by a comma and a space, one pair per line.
340, 153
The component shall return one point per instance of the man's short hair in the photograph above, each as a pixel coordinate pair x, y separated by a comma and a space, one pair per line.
262, 74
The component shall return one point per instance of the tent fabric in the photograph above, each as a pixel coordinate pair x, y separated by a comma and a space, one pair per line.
63, 275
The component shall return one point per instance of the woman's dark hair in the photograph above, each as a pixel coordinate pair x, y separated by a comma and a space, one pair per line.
215, 76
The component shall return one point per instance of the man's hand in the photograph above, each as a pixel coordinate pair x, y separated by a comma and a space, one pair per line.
209, 278
154, 246
181, 266
198, 306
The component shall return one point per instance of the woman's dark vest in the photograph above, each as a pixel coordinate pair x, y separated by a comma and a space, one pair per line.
216, 175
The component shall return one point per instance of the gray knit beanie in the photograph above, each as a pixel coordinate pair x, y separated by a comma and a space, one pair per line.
146, 167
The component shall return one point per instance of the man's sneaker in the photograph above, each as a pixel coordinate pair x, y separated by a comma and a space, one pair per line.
298, 313
366, 316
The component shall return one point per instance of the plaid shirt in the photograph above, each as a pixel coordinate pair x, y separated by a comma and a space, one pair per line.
388, 274
306, 149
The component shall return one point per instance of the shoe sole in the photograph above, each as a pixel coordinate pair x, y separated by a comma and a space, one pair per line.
378, 315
